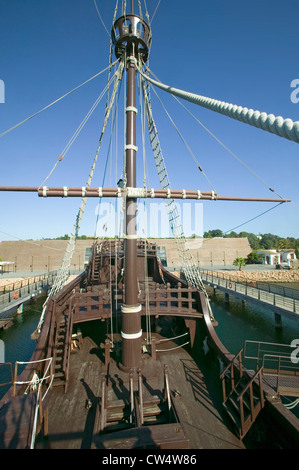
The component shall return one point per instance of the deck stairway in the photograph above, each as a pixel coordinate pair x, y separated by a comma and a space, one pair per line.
62, 351
96, 263
139, 420
243, 395
133, 410
120, 416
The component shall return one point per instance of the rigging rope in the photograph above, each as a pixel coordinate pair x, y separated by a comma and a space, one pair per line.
79, 129
155, 12
187, 146
253, 218
65, 265
56, 101
145, 177
221, 143
191, 272
268, 122
106, 164
95, 4
227, 149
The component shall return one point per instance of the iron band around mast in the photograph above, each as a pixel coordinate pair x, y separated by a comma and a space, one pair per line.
131, 108
131, 335
130, 308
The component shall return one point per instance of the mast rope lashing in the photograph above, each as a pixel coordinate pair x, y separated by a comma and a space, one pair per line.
268, 122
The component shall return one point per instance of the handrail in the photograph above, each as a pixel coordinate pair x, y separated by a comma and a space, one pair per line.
24, 382
28, 281
238, 357
251, 287
279, 368
40, 398
258, 373
261, 403
262, 350
230, 366
35, 380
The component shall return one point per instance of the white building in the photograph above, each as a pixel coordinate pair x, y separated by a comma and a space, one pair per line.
270, 257
287, 256
273, 257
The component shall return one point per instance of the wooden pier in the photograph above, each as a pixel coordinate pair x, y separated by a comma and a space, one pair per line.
281, 305
17, 292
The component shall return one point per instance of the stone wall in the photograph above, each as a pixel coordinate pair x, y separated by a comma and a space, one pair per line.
208, 251
263, 276
42, 255
47, 254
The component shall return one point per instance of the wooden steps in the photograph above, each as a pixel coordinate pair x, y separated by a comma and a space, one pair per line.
243, 404
60, 342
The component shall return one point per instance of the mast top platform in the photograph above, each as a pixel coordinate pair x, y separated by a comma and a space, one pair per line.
128, 30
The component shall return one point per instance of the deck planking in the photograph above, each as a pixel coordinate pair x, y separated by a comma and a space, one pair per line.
72, 426
202, 422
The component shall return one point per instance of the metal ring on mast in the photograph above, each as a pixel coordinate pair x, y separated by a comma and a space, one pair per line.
128, 30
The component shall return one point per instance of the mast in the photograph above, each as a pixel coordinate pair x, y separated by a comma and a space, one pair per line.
131, 36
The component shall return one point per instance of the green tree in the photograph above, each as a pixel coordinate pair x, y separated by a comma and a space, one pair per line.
239, 262
269, 241
231, 235
213, 233
253, 258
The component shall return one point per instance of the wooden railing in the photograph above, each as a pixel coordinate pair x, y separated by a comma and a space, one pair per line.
242, 393
255, 406
234, 371
278, 362
169, 300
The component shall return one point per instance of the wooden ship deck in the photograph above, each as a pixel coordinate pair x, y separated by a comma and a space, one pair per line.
73, 425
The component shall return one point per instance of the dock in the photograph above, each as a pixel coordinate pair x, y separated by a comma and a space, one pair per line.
15, 292
282, 305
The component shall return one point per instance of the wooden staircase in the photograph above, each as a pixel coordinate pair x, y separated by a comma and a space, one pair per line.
138, 421
243, 396
118, 415
62, 350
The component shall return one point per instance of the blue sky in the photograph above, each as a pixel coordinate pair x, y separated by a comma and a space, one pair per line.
241, 52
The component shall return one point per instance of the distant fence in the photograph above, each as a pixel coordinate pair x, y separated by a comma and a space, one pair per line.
263, 285
255, 292
18, 292
14, 285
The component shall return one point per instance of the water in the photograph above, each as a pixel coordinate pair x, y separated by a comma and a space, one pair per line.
17, 339
239, 322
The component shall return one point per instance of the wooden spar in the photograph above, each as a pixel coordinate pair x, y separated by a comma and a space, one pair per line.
133, 192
